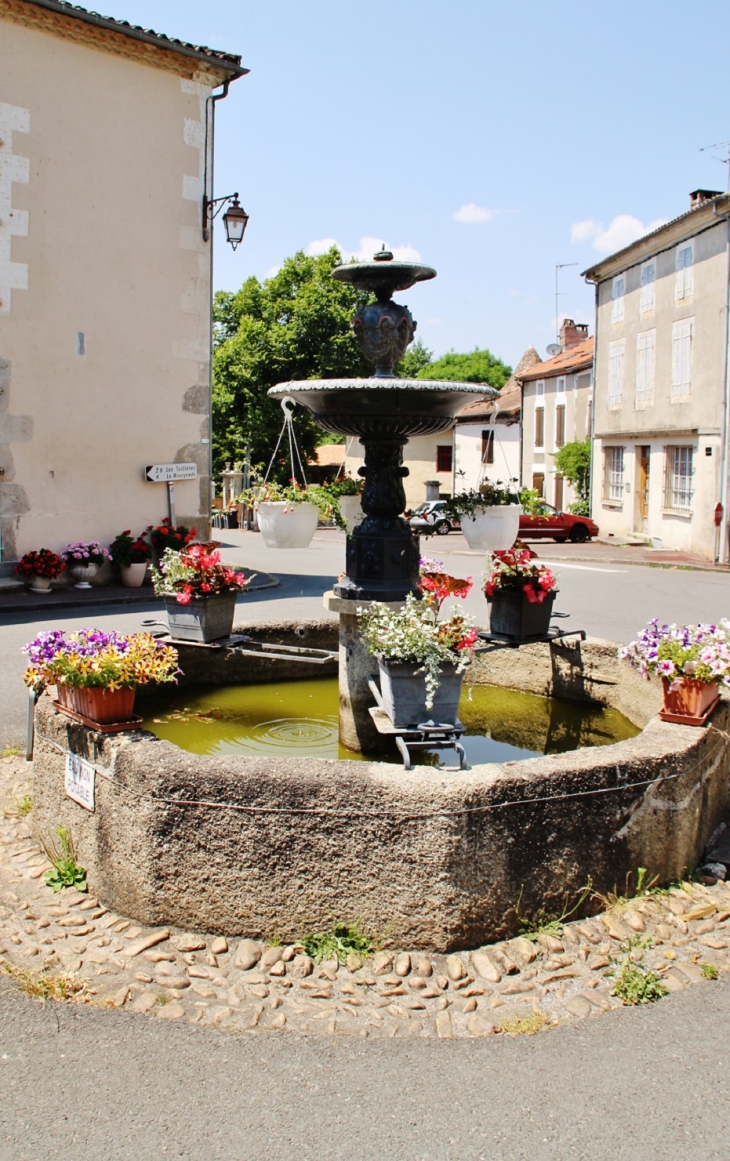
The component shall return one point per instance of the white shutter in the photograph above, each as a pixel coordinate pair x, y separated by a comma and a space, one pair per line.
645, 363
682, 334
685, 283
615, 372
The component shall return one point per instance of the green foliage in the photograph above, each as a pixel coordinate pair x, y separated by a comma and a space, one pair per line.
9, 751
526, 1025
64, 987
490, 494
573, 461
580, 508
344, 940
708, 970
294, 325
541, 923
633, 983
531, 501
66, 871
479, 366
416, 359
24, 805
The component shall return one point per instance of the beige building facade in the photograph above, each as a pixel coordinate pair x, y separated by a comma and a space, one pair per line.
660, 425
556, 409
106, 139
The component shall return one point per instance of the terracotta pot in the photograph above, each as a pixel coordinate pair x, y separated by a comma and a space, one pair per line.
97, 704
493, 529
40, 584
690, 699
133, 575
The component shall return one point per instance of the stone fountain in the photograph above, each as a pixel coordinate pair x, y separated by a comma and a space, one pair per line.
382, 553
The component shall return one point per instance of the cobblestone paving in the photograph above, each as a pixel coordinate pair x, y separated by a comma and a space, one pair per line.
242, 985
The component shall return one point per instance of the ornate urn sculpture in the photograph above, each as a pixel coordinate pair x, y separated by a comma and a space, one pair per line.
382, 553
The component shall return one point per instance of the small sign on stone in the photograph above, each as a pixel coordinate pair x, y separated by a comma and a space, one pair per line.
80, 779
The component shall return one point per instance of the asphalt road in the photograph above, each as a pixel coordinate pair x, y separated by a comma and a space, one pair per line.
631, 1085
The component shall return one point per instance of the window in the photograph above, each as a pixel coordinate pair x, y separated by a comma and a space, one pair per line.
678, 481
684, 285
682, 336
616, 372
560, 425
540, 390
444, 458
488, 447
648, 297
617, 293
645, 363
613, 473
539, 427
560, 386
538, 483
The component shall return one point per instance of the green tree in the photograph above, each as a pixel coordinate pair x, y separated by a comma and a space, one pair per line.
479, 366
415, 360
574, 462
294, 325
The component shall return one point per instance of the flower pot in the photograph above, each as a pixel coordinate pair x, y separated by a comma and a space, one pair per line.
512, 615
204, 619
133, 575
40, 584
232, 519
403, 692
688, 701
493, 529
286, 525
84, 573
98, 704
352, 513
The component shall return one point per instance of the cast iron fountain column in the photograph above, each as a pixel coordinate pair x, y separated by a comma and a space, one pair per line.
382, 554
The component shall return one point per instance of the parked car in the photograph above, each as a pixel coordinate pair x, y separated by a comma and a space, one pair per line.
561, 526
430, 517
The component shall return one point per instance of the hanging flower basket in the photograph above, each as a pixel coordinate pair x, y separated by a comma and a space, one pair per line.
284, 524
492, 529
352, 513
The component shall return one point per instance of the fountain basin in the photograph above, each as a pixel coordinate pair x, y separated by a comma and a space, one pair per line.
266, 846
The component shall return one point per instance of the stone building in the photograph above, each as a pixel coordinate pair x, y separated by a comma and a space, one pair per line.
556, 409
106, 141
660, 463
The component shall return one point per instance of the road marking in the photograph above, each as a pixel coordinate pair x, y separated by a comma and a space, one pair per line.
579, 567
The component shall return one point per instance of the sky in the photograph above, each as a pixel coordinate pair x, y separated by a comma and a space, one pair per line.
490, 140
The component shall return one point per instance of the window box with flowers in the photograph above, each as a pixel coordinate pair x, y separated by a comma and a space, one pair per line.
520, 594
85, 558
39, 569
199, 593
693, 661
420, 658
96, 674
131, 556
489, 517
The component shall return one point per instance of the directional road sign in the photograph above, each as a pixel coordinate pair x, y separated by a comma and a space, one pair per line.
168, 473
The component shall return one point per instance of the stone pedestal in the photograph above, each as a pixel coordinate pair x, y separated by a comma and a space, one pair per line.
357, 730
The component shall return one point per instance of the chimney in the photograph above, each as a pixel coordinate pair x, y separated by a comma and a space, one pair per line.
698, 197
572, 333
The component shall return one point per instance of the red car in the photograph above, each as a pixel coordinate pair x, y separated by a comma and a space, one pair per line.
548, 521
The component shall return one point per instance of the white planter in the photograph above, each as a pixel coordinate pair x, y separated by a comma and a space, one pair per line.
352, 513
40, 584
133, 575
84, 573
285, 525
493, 529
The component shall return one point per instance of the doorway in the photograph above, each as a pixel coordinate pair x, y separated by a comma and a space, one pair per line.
643, 461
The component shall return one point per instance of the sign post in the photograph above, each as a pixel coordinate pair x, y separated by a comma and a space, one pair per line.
167, 474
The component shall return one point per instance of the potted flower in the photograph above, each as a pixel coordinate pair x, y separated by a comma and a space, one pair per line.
96, 674
287, 514
40, 568
199, 592
130, 555
692, 661
489, 516
346, 492
168, 535
421, 659
520, 594
85, 558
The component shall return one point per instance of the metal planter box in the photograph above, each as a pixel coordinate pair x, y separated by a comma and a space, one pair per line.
204, 619
404, 694
512, 615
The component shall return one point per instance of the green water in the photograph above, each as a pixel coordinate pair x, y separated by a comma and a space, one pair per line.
299, 718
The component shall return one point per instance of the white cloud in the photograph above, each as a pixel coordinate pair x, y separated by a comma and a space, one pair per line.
472, 214
273, 271
368, 247
622, 231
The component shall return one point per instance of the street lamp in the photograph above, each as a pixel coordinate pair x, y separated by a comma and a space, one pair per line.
235, 218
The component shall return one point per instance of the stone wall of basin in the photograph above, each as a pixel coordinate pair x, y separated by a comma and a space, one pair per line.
270, 847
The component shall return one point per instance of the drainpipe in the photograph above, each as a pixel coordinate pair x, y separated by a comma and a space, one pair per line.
208, 191
722, 552
593, 407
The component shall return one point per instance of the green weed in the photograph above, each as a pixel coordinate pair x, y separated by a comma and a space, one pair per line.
24, 805
64, 987
66, 871
633, 983
526, 1025
708, 970
343, 941
541, 923
9, 751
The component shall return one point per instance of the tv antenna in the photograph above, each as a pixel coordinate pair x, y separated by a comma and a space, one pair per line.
723, 160
559, 266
